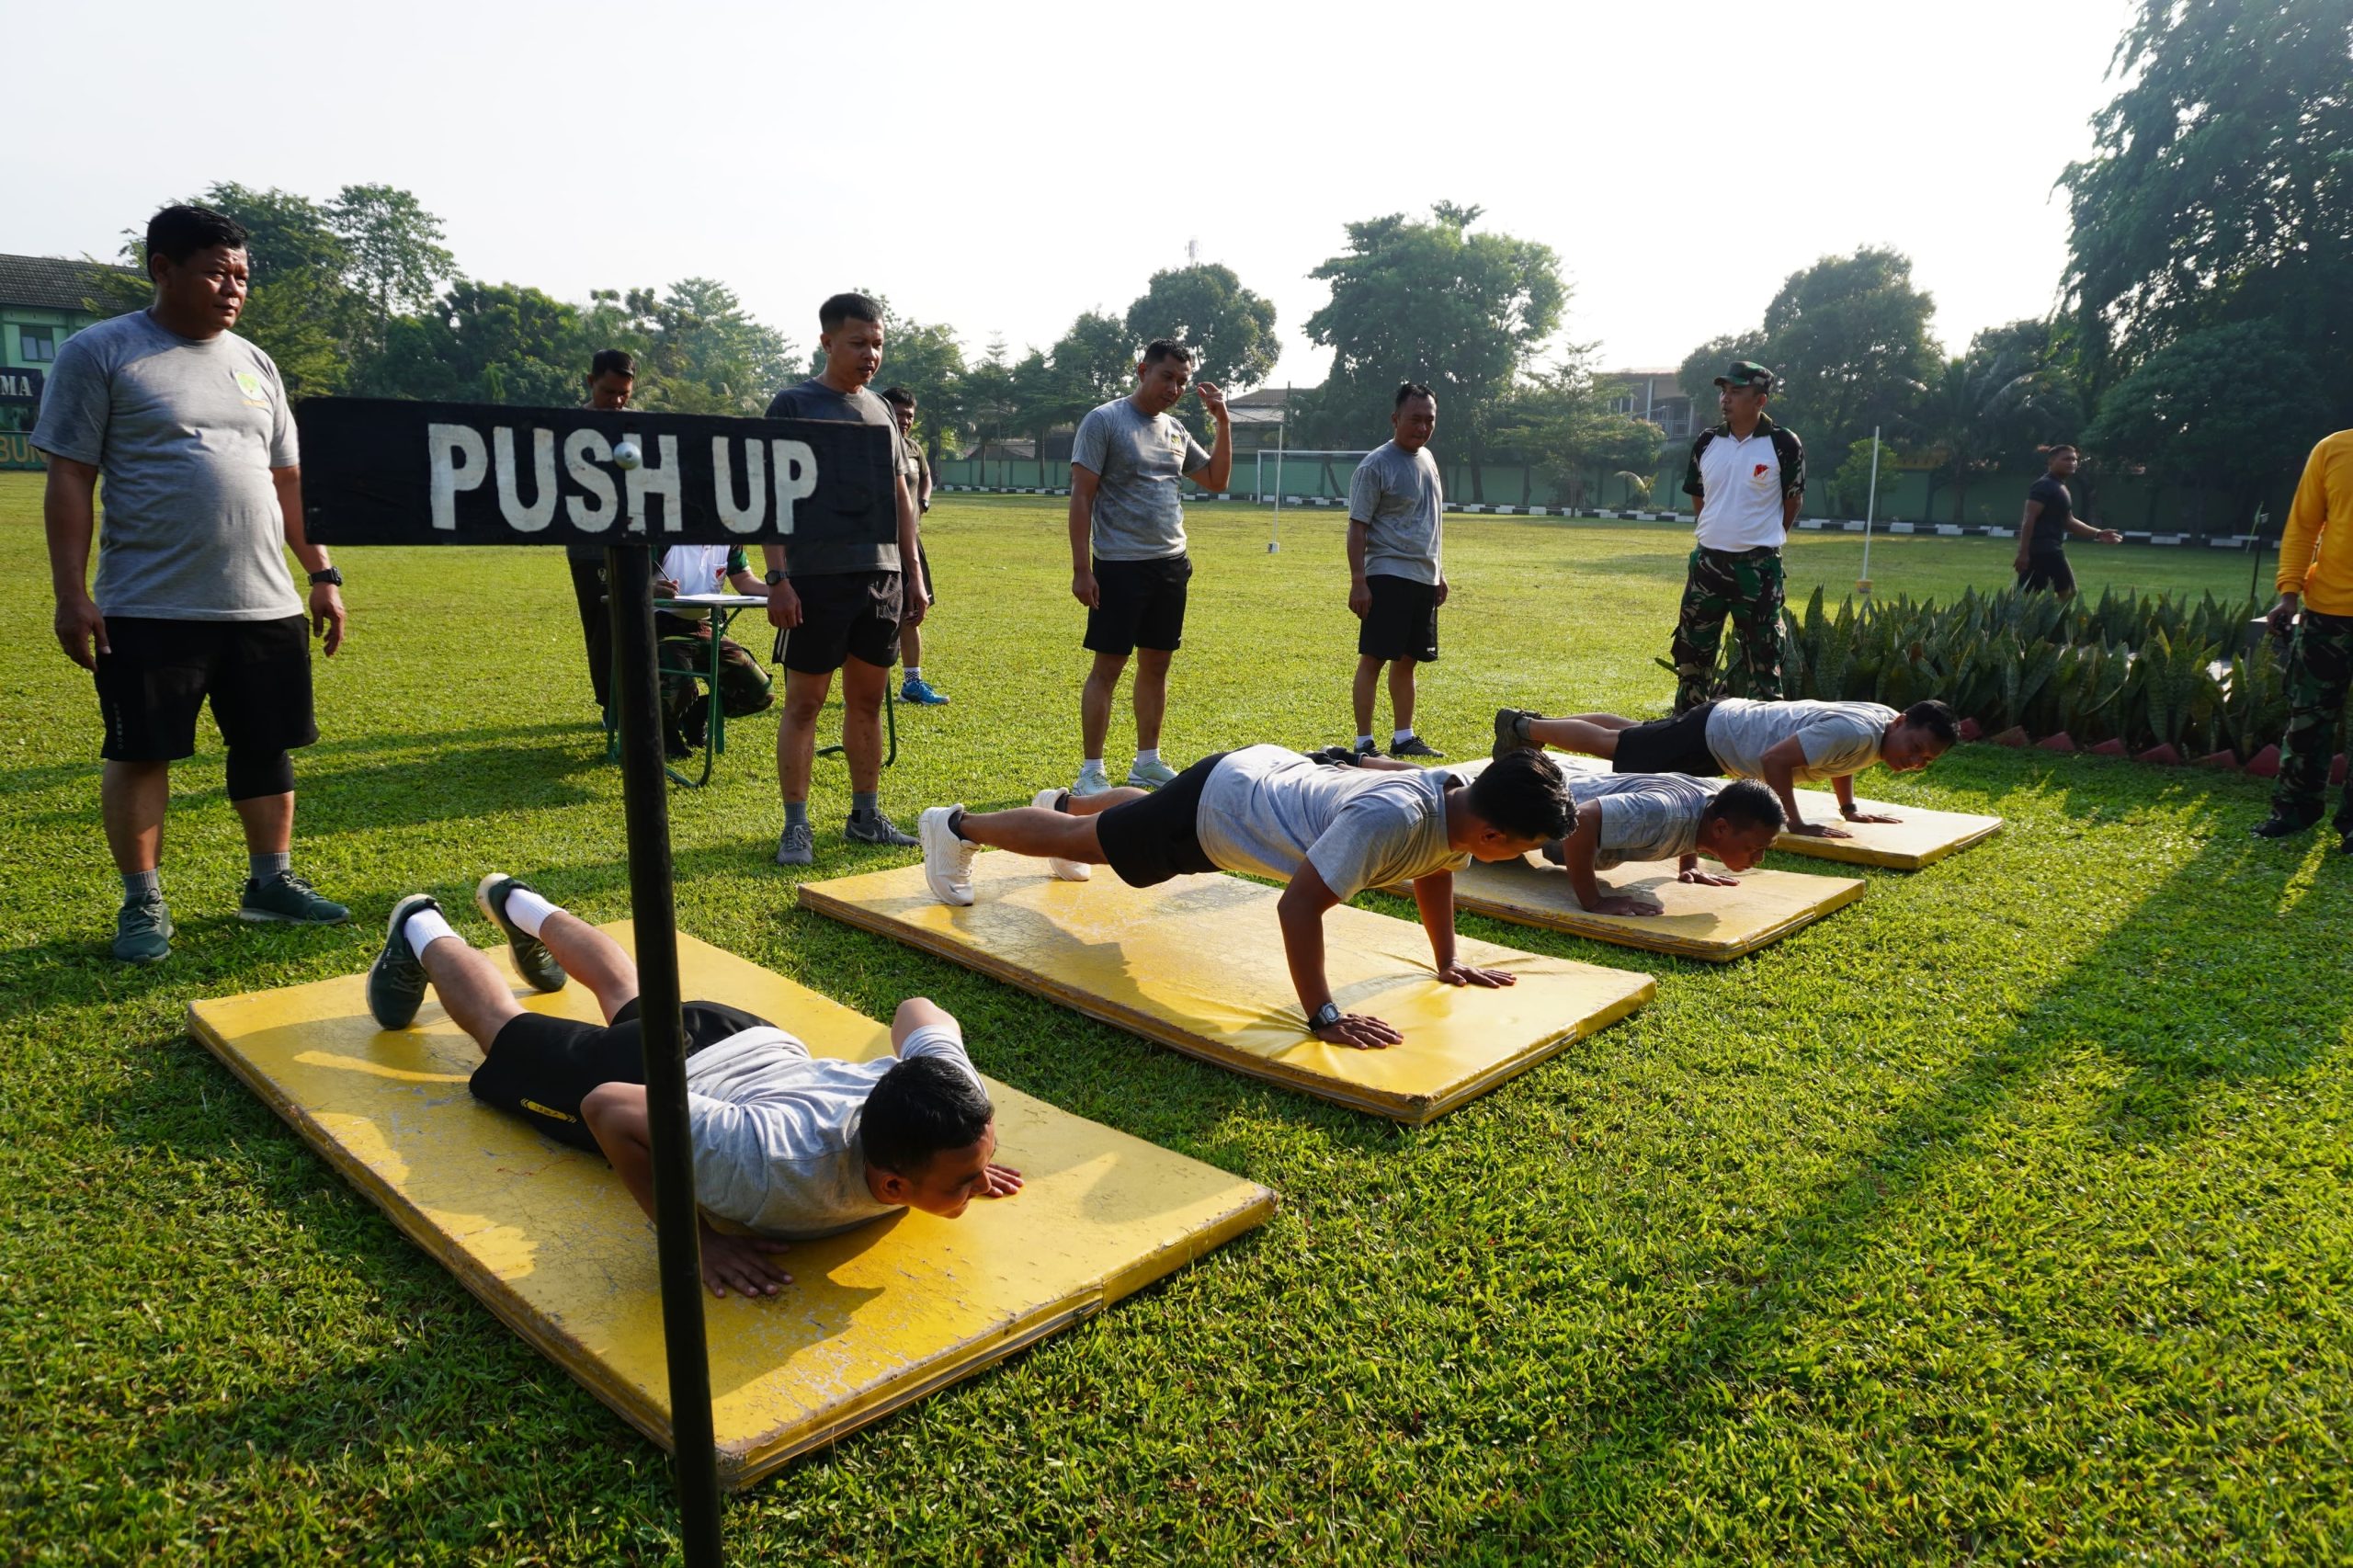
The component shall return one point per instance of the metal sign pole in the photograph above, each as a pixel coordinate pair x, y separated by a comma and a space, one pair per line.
1870, 508
1275, 539
629, 590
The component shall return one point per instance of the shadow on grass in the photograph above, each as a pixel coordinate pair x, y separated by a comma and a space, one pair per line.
2159, 993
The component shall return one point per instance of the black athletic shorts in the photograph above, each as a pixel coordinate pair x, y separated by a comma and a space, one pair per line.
1143, 606
1151, 840
542, 1068
159, 673
2047, 569
1669, 745
1402, 621
844, 615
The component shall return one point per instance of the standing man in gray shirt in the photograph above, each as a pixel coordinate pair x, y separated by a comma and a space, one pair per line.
1396, 580
191, 427
839, 604
1128, 563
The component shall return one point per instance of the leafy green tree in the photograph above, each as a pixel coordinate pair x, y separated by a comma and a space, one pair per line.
1095, 362
497, 343
703, 353
1995, 405
2221, 186
1230, 329
2229, 410
991, 401
1697, 375
393, 254
1560, 423
1428, 301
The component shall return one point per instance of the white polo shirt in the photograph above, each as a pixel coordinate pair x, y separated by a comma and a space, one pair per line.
1741, 487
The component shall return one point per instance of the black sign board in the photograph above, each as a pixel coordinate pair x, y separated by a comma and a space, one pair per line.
19, 386
381, 470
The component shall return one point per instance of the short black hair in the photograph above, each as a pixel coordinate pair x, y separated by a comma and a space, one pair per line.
1161, 348
1934, 717
613, 362
923, 1107
180, 231
2056, 446
899, 397
1522, 794
1744, 802
848, 307
1406, 389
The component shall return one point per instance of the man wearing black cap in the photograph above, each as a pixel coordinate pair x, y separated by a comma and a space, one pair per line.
1746, 479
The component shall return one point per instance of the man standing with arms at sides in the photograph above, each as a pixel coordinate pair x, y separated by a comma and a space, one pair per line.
195, 434
918, 472
1745, 480
839, 606
1395, 579
1128, 564
2316, 585
612, 378
2050, 517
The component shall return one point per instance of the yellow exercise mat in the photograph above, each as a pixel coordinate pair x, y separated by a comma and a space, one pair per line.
549, 1240
1711, 924
1922, 839
1197, 965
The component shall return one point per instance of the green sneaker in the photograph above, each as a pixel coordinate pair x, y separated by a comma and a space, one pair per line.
286, 897
396, 981
1144, 774
142, 932
1511, 733
532, 960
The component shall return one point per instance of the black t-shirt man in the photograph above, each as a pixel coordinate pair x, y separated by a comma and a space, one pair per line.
2051, 527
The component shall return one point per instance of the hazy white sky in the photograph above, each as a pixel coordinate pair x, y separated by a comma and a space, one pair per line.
1002, 168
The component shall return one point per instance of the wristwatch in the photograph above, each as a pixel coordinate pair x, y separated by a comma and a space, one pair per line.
1324, 1017
331, 577
773, 578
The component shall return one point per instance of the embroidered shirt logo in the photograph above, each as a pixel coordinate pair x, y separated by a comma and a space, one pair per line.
256, 390
1757, 472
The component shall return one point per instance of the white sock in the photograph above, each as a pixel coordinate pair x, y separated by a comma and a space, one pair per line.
915, 672
529, 910
1092, 765
423, 929
1363, 741
1147, 753
1399, 737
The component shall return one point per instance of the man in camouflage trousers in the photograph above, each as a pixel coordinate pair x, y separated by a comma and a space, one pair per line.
1746, 479
2315, 584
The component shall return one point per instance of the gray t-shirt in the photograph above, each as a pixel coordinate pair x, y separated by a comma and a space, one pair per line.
775, 1130
185, 434
1644, 816
812, 399
1838, 738
1139, 504
1397, 497
1267, 809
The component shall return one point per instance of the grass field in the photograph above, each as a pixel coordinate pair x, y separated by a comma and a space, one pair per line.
2002, 1217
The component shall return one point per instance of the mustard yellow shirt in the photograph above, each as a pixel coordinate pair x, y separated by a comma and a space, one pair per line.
2316, 558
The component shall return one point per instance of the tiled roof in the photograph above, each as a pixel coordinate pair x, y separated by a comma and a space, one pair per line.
48, 282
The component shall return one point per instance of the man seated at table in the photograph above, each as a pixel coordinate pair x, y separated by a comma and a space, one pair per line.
744, 686
1780, 744
786, 1144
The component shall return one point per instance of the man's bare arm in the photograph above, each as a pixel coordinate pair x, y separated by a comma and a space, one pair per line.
1299, 913
1083, 482
1433, 900
1577, 853
616, 1118
69, 517
327, 614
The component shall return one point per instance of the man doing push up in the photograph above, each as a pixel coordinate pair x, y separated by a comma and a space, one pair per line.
1330, 832
1780, 744
786, 1143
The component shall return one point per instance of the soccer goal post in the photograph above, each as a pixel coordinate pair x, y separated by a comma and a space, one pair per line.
1299, 476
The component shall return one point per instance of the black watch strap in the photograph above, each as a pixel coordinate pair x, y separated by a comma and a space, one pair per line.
1324, 1017
331, 575
773, 578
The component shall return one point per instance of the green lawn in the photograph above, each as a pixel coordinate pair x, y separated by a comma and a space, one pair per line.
2002, 1217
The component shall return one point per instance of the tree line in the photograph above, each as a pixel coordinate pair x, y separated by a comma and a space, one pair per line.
2209, 279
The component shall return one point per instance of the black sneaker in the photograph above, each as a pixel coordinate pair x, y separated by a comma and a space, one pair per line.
1334, 756
396, 982
143, 931
1363, 749
532, 960
2279, 825
289, 899
1414, 746
1508, 738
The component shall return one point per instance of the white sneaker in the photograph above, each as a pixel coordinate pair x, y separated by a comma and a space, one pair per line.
1067, 870
947, 859
1091, 781
1151, 775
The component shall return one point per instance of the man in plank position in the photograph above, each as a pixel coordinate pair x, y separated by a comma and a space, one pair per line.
786, 1144
1623, 817
1269, 812
1781, 745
